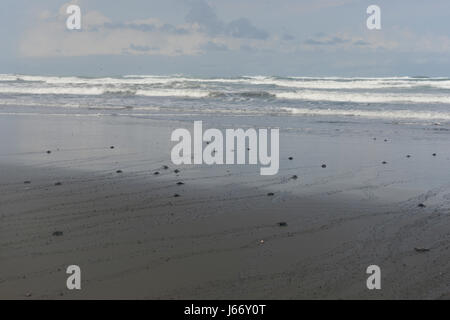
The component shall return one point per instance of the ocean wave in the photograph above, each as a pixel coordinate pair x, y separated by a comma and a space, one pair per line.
151, 92
352, 84
125, 80
120, 92
173, 93
52, 90
302, 95
103, 91
376, 114
245, 88
257, 94
328, 83
351, 97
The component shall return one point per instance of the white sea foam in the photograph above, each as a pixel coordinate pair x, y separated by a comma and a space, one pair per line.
419, 98
305, 95
328, 83
64, 90
353, 84
336, 96
376, 114
53, 90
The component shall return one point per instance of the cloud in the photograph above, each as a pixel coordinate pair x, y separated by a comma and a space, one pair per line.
322, 39
100, 36
308, 7
146, 26
142, 48
212, 46
361, 43
288, 37
338, 41
202, 32
344, 42
395, 39
327, 41
204, 15
242, 28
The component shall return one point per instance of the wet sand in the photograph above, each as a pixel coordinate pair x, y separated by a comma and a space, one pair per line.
223, 237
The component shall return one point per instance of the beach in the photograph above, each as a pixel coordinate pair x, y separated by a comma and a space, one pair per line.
225, 158
92, 190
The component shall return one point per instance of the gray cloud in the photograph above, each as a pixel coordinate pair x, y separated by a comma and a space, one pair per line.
287, 37
327, 41
141, 48
243, 28
277, 36
132, 26
211, 46
361, 43
247, 48
202, 14
144, 27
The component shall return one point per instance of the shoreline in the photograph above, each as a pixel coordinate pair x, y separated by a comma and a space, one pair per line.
133, 239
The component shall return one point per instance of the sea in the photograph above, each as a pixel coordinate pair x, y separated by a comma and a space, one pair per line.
319, 104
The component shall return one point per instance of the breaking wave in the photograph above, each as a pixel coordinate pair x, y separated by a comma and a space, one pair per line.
379, 114
357, 97
378, 98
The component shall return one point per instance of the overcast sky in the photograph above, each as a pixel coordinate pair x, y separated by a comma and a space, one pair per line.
226, 38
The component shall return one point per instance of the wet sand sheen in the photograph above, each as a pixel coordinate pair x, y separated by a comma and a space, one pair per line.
231, 233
